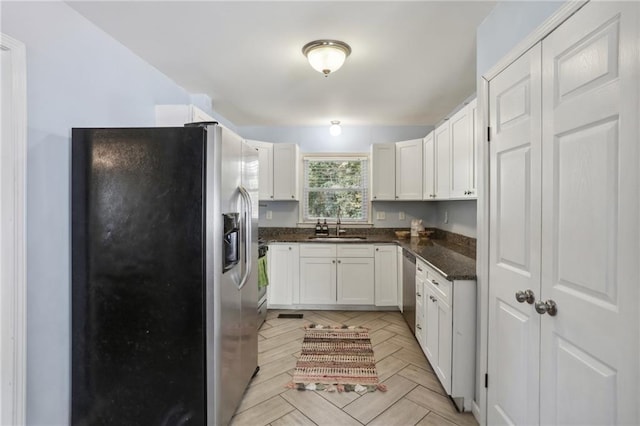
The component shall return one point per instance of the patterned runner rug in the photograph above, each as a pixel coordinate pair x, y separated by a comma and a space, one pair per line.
336, 359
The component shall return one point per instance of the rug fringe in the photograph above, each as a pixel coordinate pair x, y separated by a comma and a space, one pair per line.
337, 387
334, 327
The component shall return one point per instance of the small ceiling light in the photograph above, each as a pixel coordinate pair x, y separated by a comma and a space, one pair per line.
335, 129
326, 56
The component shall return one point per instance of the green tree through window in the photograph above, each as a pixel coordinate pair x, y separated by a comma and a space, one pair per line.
330, 183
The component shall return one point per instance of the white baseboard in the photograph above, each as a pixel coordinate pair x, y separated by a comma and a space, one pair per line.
475, 410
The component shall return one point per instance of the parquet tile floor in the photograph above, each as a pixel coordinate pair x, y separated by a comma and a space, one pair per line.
414, 396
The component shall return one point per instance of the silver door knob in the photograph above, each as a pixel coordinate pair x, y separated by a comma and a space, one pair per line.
525, 296
548, 307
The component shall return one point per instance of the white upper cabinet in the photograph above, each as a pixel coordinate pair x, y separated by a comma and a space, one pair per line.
265, 160
179, 115
461, 128
428, 167
441, 155
409, 170
278, 170
383, 171
285, 171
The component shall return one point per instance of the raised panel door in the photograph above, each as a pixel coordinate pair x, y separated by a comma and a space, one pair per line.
428, 167
589, 350
409, 170
432, 328
265, 173
317, 280
445, 344
461, 138
386, 276
383, 171
285, 171
442, 159
282, 265
355, 284
514, 239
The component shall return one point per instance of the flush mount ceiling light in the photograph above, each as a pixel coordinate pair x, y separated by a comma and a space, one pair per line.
335, 129
326, 56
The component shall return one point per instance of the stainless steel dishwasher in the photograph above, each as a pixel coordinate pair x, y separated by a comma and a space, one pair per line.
409, 288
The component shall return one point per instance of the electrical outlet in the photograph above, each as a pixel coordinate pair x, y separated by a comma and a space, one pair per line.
401, 216
269, 214
381, 215
446, 216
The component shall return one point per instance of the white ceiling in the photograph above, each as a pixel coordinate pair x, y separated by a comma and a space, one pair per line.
412, 62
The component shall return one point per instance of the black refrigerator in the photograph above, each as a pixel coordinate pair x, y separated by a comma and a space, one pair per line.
164, 275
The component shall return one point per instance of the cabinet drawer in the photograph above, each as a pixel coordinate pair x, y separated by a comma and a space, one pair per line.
440, 286
355, 250
317, 250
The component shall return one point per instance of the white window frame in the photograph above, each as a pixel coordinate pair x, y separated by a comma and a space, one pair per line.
329, 157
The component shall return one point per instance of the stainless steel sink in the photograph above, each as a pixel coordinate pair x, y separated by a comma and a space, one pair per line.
337, 239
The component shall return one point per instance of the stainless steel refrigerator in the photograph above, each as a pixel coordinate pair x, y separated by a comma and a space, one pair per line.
164, 274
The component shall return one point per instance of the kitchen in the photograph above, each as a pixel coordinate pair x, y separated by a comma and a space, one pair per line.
80, 77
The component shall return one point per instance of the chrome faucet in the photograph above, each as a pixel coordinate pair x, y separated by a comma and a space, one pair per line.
338, 230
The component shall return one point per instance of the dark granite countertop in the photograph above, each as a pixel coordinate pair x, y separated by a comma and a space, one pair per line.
454, 261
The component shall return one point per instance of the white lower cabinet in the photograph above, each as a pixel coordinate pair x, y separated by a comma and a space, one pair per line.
317, 280
386, 275
355, 281
336, 274
448, 339
283, 270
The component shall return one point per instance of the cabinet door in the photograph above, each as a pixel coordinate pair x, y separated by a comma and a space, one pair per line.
431, 319
285, 171
473, 175
355, 281
383, 171
399, 269
461, 153
409, 170
441, 155
428, 167
420, 330
445, 343
282, 266
317, 280
386, 276
265, 161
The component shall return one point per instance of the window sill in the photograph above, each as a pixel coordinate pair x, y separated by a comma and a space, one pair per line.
333, 224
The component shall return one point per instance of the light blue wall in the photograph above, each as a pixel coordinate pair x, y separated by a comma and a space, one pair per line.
318, 139
76, 76
509, 23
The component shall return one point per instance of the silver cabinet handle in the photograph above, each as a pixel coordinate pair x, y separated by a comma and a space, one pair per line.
418, 294
525, 296
548, 307
377, 249
419, 269
339, 261
435, 282
333, 261
418, 327
289, 248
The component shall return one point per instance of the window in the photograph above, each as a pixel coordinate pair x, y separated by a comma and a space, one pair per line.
336, 182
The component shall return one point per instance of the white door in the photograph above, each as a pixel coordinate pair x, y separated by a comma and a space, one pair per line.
282, 263
285, 171
386, 276
355, 281
441, 155
318, 280
514, 239
428, 167
589, 350
265, 159
383, 171
409, 170
461, 153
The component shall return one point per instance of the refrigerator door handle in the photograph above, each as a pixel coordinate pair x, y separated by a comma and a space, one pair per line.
248, 214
